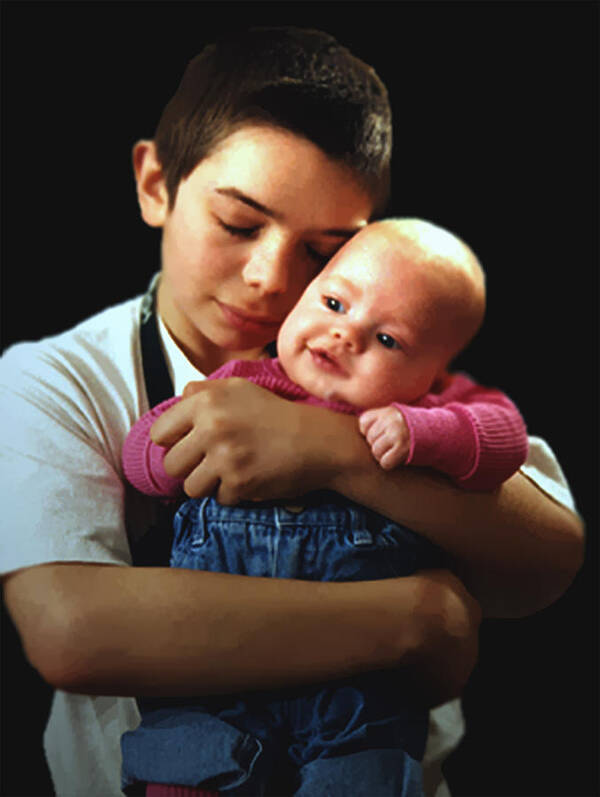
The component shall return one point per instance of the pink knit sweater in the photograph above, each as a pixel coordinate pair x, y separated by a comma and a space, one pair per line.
473, 434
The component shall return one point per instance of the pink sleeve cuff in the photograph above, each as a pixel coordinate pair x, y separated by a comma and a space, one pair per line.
143, 459
478, 446
439, 439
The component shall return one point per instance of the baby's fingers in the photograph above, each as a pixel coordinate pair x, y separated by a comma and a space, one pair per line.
392, 457
387, 434
388, 453
366, 421
371, 425
380, 446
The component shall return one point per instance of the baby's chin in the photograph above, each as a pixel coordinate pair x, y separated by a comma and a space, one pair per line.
319, 388
332, 395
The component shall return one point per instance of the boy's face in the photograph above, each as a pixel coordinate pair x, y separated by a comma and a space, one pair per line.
251, 226
367, 329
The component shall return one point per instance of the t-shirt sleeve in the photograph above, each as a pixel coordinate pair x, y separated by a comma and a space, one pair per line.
543, 469
62, 491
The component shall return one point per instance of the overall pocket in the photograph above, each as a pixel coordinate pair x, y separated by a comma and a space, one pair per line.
190, 535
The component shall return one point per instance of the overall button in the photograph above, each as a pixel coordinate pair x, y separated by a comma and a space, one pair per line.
362, 537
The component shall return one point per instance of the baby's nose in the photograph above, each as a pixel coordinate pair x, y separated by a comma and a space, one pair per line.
348, 336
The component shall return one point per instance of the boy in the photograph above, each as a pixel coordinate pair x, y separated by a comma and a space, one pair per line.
377, 327
92, 625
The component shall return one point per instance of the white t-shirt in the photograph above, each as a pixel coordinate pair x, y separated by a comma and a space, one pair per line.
67, 404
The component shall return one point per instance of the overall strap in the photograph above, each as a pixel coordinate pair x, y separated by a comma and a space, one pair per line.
154, 548
156, 375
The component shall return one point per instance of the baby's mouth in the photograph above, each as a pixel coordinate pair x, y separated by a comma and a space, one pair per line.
326, 361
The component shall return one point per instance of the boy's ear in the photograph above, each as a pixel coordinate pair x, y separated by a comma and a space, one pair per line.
151, 187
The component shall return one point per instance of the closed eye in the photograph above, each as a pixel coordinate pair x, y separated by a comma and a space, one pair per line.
239, 232
388, 341
318, 257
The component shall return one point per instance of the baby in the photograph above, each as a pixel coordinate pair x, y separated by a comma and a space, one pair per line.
372, 335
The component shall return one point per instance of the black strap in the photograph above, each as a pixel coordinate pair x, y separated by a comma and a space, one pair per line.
159, 386
154, 548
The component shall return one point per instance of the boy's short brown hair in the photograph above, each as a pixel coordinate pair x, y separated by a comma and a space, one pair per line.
298, 79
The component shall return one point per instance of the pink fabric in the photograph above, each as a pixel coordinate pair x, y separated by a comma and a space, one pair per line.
473, 434
166, 790
270, 374
143, 459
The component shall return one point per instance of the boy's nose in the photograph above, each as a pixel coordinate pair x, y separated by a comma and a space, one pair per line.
268, 268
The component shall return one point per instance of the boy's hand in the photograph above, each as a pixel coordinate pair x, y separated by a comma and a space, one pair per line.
191, 388
239, 441
387, 433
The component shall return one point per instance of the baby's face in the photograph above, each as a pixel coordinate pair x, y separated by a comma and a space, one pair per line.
367, 330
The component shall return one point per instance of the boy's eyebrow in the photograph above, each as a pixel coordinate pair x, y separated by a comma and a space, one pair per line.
235, 193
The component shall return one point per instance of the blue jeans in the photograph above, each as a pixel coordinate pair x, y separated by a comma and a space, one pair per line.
360, 735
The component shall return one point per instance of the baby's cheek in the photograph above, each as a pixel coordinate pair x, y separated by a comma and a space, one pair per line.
379, 387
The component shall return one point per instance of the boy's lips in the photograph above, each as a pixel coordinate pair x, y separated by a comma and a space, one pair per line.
245, 320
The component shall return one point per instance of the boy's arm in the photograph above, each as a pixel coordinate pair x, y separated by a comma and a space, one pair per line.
94, 629
105, 627
474, 434
516, 548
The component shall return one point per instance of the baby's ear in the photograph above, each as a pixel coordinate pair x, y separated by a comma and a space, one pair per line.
152, 192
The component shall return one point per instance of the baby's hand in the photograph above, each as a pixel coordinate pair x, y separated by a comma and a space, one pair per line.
387, 433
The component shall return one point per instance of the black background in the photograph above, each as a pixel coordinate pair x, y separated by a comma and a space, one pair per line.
495, 118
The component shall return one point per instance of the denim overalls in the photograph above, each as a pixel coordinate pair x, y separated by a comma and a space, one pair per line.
359, 735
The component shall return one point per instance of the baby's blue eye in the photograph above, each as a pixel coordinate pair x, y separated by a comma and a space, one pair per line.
334, 304
388, 341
